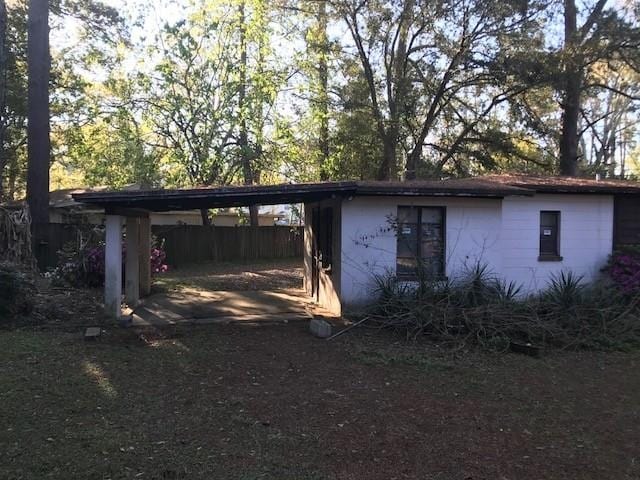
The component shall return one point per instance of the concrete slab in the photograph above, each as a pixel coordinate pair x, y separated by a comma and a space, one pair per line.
200, 307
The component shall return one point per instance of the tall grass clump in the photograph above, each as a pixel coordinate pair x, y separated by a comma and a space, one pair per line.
480, 308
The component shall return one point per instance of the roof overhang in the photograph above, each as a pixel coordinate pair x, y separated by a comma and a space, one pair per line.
117, 202
218, 197
237, 196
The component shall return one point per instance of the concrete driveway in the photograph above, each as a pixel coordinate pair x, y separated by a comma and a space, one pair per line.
201, 306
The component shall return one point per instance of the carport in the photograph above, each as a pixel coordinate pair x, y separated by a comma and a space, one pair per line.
132, 208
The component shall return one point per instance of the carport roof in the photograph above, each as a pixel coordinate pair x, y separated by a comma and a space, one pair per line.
497, 186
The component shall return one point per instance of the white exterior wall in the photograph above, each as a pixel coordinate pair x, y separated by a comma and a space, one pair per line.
504, 234
369, 243
586, 237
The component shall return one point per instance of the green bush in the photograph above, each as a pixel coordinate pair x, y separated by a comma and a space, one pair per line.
479, 308
16, 293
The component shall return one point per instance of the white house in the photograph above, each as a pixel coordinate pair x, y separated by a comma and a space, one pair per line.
523, 228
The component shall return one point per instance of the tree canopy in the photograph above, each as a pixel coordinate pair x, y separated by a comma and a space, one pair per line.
204, 92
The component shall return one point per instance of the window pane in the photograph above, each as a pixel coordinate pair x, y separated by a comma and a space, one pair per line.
407, 240
548, 219
406, 266
549, 223
420, 245
407, 215
432, 215
432, 244
431, 241
432, 267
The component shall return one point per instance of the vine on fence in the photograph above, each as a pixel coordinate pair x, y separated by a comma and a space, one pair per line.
15, 237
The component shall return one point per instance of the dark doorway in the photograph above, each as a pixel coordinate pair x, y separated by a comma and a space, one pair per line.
322, 246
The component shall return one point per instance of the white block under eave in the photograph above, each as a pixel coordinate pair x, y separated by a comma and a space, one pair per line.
113, 266
132, 263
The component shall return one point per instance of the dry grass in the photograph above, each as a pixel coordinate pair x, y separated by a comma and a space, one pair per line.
273, 402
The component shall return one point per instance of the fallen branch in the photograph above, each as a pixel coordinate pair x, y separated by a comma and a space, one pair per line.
345, 330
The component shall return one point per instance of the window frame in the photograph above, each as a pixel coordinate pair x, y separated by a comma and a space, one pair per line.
550, 256
418, 245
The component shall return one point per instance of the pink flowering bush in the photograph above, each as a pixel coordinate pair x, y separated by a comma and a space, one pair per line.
624, 269
158, 257
85, 266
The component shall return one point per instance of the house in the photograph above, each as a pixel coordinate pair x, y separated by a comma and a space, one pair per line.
524, 228
64, 209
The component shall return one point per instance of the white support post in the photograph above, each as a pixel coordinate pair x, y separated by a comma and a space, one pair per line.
145, 256
132, 263
113, 267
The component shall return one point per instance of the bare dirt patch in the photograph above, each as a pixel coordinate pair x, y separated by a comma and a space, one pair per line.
267, 275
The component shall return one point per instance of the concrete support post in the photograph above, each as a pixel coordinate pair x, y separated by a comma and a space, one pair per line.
113, 267
145, 256
132, 263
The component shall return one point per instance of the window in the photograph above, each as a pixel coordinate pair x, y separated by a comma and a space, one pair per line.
549, 236
420, 242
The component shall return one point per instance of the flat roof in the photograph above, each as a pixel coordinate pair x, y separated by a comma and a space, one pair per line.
492, 186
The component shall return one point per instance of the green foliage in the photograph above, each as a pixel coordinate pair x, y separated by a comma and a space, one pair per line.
327, 90
16, 293
565, 290
480, 309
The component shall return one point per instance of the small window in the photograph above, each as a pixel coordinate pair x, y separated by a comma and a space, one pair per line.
549, 236
420, 242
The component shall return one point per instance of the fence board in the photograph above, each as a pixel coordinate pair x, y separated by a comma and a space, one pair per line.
186, 244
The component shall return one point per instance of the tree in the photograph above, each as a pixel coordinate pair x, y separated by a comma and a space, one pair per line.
319, 49
425, 61
38, 143
608, 118
4, 75
603, 36
67, 96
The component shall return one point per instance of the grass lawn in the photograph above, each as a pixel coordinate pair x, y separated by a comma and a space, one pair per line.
272, 402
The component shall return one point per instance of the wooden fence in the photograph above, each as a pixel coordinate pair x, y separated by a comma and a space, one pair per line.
52, 237
186, 244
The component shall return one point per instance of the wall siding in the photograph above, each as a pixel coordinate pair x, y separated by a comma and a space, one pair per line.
369, 242
504, 234
586, 237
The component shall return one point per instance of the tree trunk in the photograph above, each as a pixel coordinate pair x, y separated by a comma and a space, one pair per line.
323, 93
243, 140
570, 115
574, 40
204, 213
38, 142
3, 92
388, 158
400, 82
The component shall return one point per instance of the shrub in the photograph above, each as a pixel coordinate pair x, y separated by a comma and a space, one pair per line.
82, 263
480, 309
624, 269
16, 293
